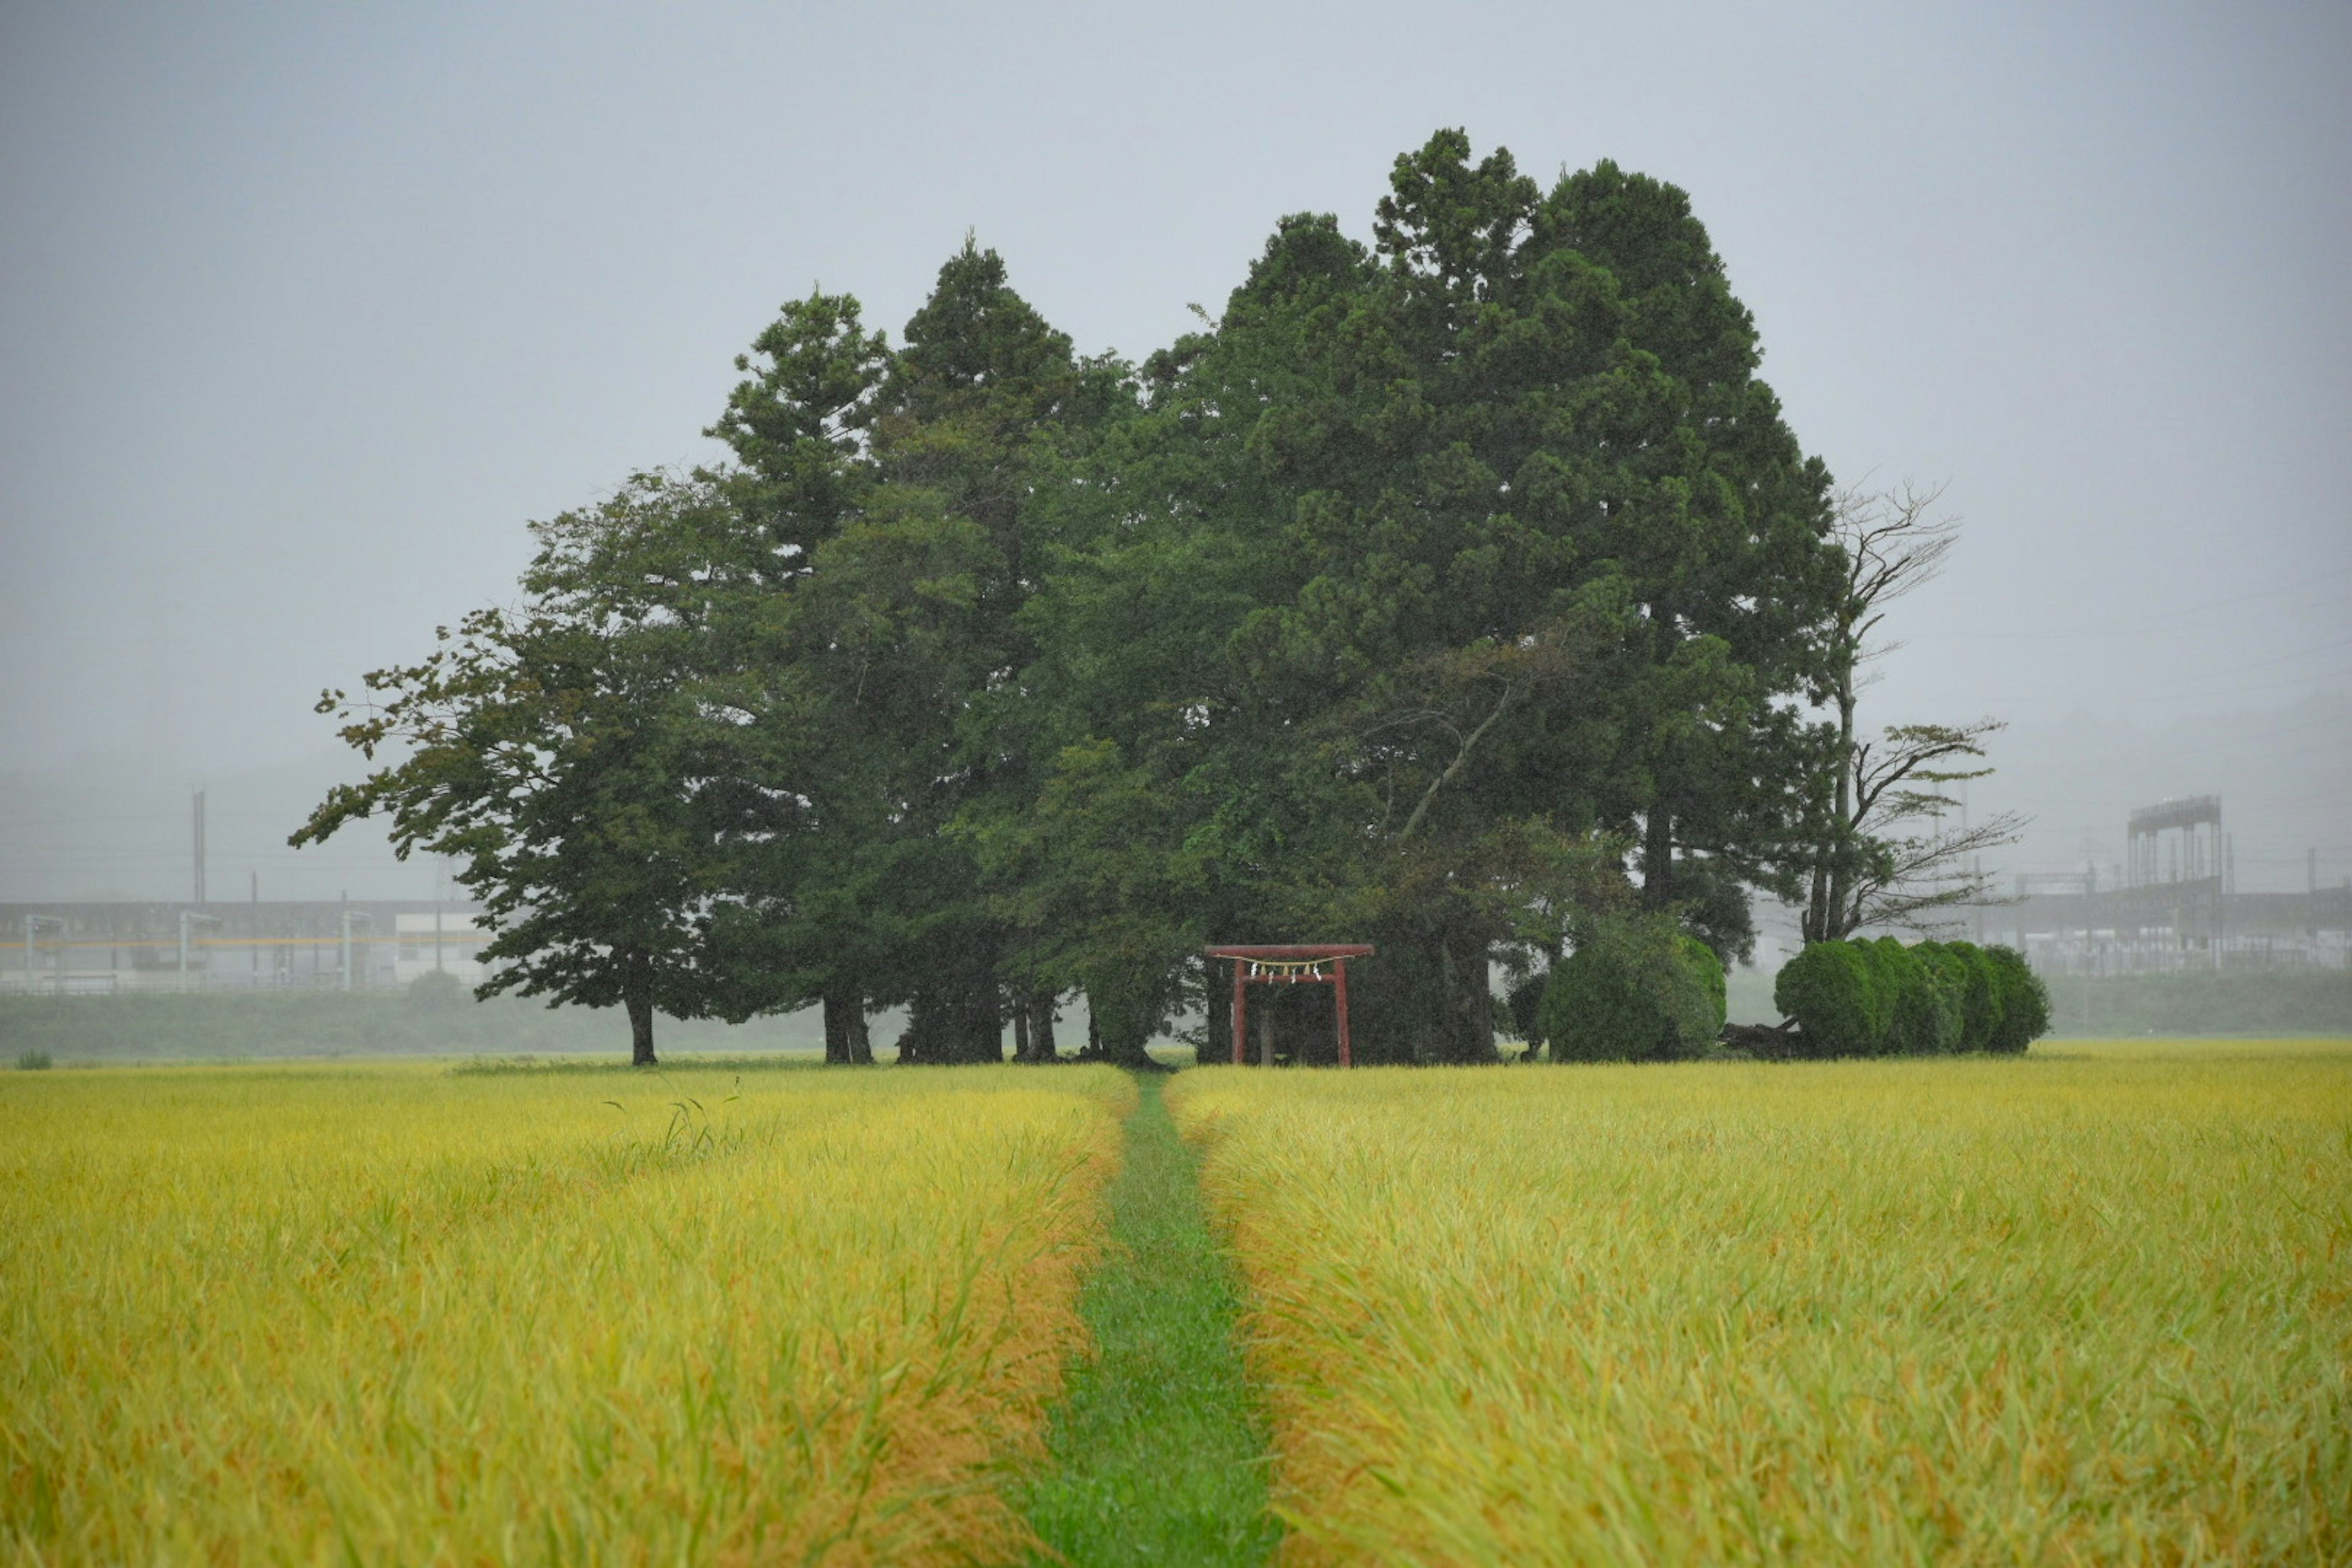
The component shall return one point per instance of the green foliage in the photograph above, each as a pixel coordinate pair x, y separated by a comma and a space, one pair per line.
1426, 589
2024, 1002
1947, 975
1982, 1016
1636, 988
564, 752
1524, 1002
1831, 989
1700, 960
1435, 575
1923, 1021
437, 990
796, 425
1879, 997
33, 1061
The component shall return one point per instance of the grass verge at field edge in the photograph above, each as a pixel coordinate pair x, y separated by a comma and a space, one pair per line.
1158, 1449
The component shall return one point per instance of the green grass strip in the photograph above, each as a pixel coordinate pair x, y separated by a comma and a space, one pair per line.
1161, 1452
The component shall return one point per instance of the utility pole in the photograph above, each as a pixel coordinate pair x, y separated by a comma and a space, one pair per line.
187, 918
351, 917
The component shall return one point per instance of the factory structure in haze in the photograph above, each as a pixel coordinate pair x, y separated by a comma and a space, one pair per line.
2172, 905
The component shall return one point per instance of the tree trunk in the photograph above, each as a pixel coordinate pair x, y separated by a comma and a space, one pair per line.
846, 1043
1118, 1030
1467, 1010
639, 1001
1032, 1026
1824, 917
1481, 1003
1835, 923
1658, 858
915, 1041
984, 1021
1809, 925
837, 1037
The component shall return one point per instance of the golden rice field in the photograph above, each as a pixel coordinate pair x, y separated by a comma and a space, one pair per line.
2090, 1306
388, 1314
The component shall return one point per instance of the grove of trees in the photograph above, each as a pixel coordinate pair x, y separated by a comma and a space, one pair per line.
1466, 594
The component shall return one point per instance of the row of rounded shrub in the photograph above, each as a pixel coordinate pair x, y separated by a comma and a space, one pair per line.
1881, 998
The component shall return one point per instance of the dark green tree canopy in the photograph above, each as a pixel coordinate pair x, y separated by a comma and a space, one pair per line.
1436, 592
797, 425
560, 751
1432, 572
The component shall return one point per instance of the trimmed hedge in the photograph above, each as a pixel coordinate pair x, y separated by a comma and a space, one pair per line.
1926, 1024
1880, 999
1635, 989
1831, 989
2024, 1002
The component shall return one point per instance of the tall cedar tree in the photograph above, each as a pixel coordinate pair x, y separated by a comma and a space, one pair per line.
806, 857
1432, 576
981, 405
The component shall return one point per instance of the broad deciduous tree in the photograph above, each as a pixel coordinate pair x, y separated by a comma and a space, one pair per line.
561, 752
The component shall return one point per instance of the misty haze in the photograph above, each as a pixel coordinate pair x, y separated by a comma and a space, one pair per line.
1504, 784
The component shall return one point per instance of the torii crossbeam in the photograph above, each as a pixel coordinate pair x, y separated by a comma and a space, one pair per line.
1289, 964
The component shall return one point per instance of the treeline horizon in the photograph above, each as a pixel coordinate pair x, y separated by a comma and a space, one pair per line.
1455, 593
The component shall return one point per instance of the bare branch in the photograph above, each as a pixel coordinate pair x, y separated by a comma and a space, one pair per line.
1892, 545
1461, 757
1919, 877
1866, 870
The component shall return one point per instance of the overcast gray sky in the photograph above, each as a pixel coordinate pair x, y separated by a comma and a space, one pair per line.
303, 312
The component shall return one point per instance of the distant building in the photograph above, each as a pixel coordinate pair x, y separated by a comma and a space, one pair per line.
96, 949
2173, 906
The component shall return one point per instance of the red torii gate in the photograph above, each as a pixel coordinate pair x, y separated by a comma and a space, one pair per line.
1290, 964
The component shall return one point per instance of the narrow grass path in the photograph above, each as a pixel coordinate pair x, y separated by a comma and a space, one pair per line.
1160, 1452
